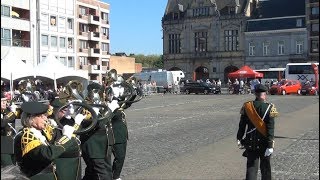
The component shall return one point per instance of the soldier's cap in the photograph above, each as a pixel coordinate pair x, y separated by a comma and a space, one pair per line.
56, 103
94, 85
34, 108
260, 88
3, 97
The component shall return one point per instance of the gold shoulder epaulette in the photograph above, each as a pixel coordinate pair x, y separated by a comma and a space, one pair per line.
28, 141
273, 111
48, 131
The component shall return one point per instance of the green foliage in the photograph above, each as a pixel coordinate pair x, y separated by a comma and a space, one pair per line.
151, 61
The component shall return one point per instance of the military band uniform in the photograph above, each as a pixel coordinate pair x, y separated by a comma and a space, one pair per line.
120, 132
7, 132
94, 146
37, 151
258, 140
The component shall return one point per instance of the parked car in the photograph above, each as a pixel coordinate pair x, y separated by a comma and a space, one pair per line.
309, 89
197, 87
286, 87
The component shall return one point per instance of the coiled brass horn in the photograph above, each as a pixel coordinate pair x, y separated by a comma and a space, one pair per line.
72, 91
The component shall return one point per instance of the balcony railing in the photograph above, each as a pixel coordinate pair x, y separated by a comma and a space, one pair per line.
15, 42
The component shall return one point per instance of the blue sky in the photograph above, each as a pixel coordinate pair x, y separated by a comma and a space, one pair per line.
135, 26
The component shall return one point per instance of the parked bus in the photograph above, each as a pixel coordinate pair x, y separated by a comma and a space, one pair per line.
300, 71
271, 74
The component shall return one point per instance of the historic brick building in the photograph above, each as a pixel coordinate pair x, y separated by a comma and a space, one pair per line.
205, 38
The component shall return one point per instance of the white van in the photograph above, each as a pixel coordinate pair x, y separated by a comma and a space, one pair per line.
162, 78
177, 76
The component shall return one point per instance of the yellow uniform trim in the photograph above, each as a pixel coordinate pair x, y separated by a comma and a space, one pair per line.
48, 132
255, 118
30, 145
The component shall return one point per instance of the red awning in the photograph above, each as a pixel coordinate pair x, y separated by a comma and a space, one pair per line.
245, 72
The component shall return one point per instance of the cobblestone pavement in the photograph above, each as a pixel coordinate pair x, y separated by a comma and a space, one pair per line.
300, 160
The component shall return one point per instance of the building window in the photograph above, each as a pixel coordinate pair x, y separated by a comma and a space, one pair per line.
83, 44
83, 60
202, 11
53, 41
83, 27
53, 20
232, 10
70, 62
251, 49
281, 48
44, 21
174, 44
299, 23
266, 48
70, 23
299, 47
201, 41
5, 37
84, 10
70, 43
62, 24
105, 31
43, 57
63, 60
105, 16
44, 40
105, 47
231, 40
5, 11
314, 46
62, 42
314, 10
315, 27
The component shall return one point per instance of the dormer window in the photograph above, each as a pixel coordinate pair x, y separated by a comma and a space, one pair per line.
232, 10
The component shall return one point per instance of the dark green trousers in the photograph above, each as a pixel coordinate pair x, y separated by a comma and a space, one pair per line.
253, 158
119, 153
98, 169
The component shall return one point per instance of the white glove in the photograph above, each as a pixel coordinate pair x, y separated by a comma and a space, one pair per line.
13, 108
113, 105
26, 98
240, 146
69, 112
117, 91
53, 123
79, 118
97, 110
268, 152
68, 131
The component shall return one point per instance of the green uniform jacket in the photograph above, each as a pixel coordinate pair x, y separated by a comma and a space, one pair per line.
95, 143
36, 157
254, 139
8, 117
119, 126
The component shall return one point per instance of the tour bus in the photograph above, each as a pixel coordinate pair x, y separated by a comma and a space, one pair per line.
271, 74
300, 71
162, 78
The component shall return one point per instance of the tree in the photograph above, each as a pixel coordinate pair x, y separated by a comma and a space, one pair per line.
151, 61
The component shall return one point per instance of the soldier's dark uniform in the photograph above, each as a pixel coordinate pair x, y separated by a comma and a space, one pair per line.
95, 151
68, 165
35, 157
120, 132
7, 133
255, 143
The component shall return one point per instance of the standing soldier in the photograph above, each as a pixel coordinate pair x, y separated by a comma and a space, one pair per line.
8, 117
120, 131
258, 117
94, 144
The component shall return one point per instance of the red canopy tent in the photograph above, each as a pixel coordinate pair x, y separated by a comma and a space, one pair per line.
245, 72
